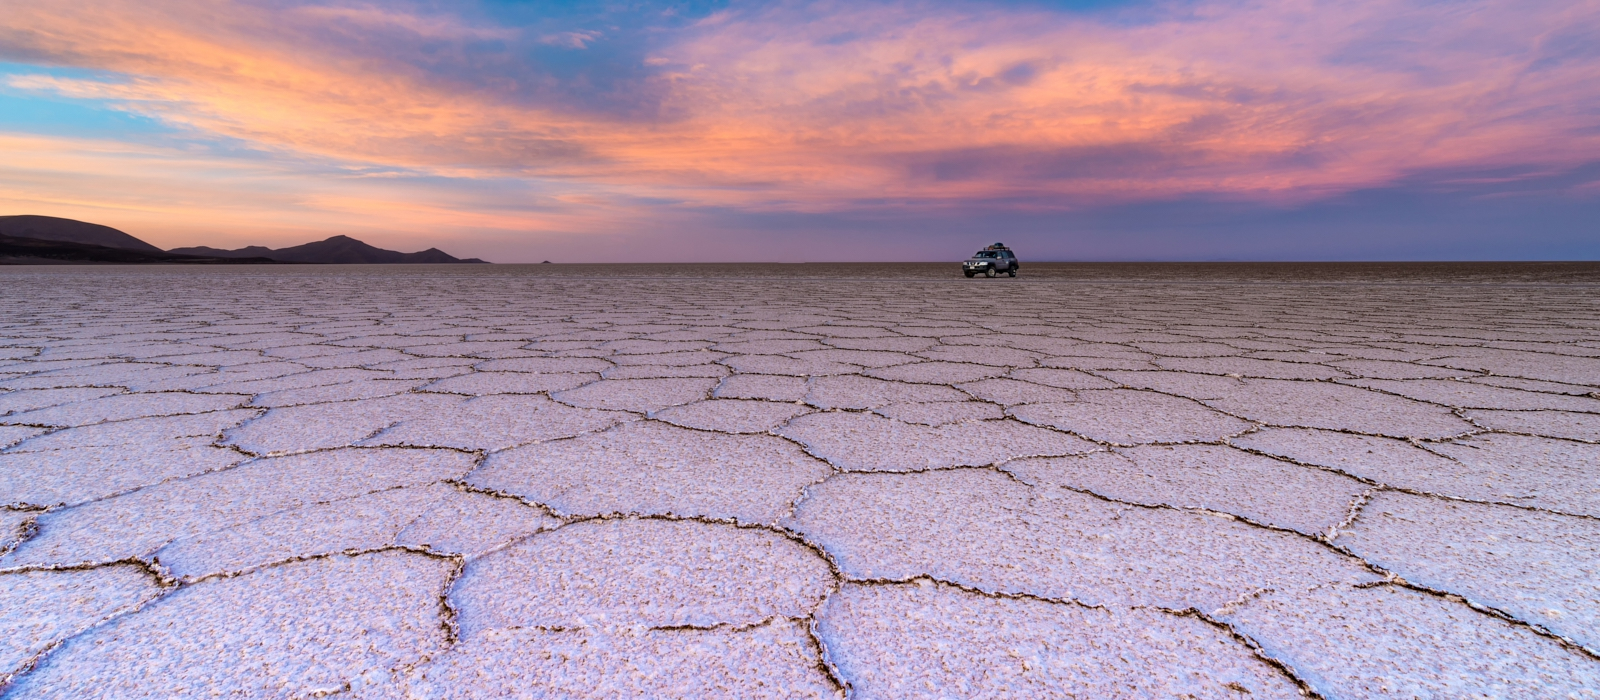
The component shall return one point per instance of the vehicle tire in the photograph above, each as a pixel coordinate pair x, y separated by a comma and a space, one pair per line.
968, 273
1013, 272
989, 272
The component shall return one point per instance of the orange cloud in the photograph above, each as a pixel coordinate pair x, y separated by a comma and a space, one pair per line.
822, 107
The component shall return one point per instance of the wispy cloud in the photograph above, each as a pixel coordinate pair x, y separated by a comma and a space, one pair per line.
833, 106
571, 40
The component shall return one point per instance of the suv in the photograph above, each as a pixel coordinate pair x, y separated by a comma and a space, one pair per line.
992, 261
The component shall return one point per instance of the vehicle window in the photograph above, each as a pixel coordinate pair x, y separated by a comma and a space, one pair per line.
1008, 254
984, 254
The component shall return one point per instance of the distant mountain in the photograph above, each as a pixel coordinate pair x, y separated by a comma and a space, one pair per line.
339, 249
16, 250
247, 251
50, 228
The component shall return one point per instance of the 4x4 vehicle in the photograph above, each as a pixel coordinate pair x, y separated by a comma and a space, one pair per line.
992, 261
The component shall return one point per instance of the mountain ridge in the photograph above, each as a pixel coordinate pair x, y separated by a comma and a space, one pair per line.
336, 250
50, 228
19, 250
82, 241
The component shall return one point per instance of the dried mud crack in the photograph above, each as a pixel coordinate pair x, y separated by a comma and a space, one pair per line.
387, 486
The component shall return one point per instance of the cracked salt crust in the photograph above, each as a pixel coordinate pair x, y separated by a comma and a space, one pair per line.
13, 434
1125, 417
495, 423
486, 466
983, 355
1471, 395
470, 524
286, 631
1342, 642
620, 574
938, 413
1010, 392
732, 415
1061, 378
321, 426
1556, 424
365, 522
41, 608
483, 423
1249, 367
300, 378
1386, 369
1540, 567
124, 407
938, 372
1188, 385
360, 389
882, 343
12, 402
353, 359
666, 371
981, 529
484, 383
1531, 471
14, 527
775, 661
72, 476
688, 359
651, 468
863, 358
928, 640
1335, 406
546, 365
139, 433
867, 442
1528, 365
1535, 385
780, 364
138, 523
641, 395
762, 386
1205, 476
852, 391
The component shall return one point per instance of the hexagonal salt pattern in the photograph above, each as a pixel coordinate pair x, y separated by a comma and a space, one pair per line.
427, 483
935, 640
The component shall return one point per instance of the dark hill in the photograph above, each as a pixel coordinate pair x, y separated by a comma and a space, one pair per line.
339, 249
50, 228
247, 251
16, 250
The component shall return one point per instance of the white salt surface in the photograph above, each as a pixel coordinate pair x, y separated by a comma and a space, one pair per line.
629, 573
72, 476
140, 522
776, 660
931, 640
1212, 477
452, 482
288, 631
1339, 640
869, 442
1132, 417
41, 608
732, 415
979, 528
1540, 567
656, 469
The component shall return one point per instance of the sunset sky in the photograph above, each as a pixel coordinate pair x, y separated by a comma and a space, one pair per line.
815, 131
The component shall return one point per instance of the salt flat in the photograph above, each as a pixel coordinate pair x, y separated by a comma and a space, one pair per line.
800, 481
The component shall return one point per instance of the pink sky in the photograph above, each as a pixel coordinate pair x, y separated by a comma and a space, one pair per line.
410, 125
